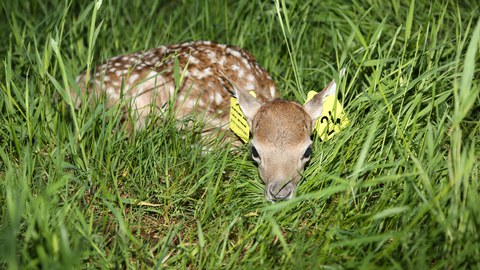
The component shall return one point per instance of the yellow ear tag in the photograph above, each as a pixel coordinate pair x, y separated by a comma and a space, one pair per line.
238, 122
333, 117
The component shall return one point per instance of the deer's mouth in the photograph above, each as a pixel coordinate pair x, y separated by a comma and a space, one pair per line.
279, 192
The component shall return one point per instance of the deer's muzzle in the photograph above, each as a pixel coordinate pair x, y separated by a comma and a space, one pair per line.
276, 191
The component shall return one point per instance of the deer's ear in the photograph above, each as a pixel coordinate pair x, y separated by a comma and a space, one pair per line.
249, 104
314, 107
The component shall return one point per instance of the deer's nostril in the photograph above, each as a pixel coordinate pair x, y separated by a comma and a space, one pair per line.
279, 192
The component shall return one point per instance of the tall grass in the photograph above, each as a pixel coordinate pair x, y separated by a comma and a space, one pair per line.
398, 188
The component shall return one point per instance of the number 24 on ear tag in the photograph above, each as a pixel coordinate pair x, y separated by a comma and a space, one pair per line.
333, 117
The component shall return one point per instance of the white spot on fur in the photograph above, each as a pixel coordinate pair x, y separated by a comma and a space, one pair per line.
272, 90
218, 98
133, 77
236, 53
190, 103
148, 54
195, 72
223, 60
202, 74
250, 87
152, 74
193, 60
112, 93
251, 78
180, 98
119, 73
241, 73
212, 56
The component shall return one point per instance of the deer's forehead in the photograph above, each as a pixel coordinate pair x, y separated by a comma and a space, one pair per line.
281, 122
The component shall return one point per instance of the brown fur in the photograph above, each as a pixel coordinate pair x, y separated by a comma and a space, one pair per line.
292, 128
210, 71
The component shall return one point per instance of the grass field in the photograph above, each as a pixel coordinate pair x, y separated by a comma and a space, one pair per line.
397, 189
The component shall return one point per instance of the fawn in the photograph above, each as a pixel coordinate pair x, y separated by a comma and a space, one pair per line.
213, 73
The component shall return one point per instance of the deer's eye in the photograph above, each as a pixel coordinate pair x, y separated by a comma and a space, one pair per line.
308, 152
255, 154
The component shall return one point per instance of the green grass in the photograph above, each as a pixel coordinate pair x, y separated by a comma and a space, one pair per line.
398, 188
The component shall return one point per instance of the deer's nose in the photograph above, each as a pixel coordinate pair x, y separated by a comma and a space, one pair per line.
279, 191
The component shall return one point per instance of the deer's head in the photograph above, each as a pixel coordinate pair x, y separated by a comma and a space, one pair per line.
281, 139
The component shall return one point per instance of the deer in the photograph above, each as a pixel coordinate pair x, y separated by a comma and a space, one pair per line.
212, 73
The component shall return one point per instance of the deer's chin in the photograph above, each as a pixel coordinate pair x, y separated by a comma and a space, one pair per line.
275, 192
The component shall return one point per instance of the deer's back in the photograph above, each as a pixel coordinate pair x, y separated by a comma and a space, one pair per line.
202, 84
